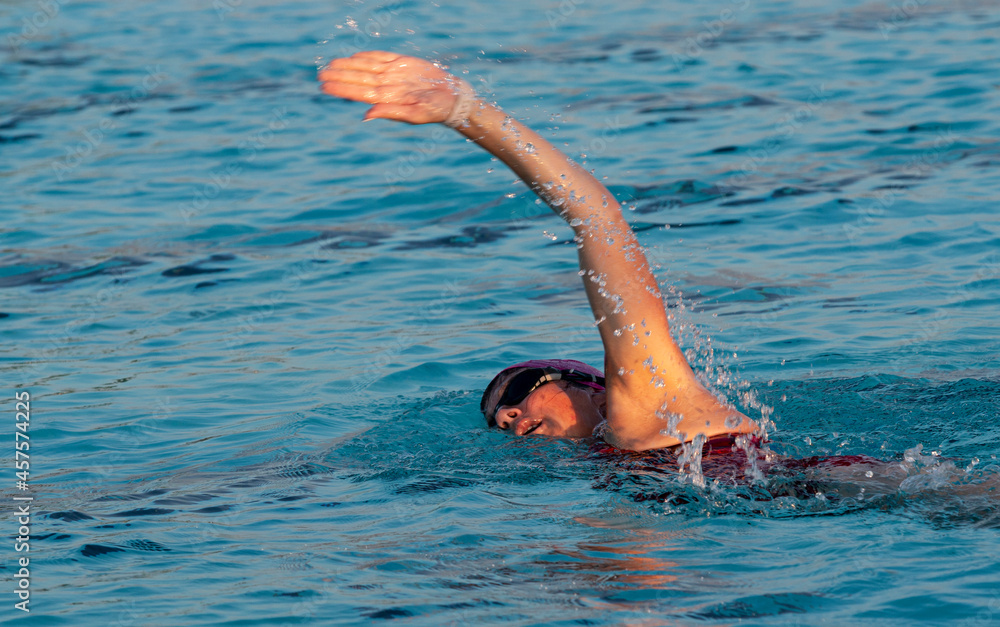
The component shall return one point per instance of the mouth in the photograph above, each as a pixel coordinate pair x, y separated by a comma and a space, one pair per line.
530, 429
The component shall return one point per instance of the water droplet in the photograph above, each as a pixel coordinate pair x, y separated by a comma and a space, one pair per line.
869, 474
529, 148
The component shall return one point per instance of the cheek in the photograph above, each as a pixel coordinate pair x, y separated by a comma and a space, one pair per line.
583, 428
588, 418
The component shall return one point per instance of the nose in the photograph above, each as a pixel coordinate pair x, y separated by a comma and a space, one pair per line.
506, 416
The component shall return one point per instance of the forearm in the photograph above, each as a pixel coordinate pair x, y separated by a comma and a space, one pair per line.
556, 178
617, 277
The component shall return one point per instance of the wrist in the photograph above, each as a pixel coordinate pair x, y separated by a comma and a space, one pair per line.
465, 102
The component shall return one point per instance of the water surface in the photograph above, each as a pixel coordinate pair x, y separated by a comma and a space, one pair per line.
255, 331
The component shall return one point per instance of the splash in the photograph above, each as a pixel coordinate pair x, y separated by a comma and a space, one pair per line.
364, 32
719, 376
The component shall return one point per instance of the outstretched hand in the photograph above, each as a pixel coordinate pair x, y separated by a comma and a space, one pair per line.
400, 88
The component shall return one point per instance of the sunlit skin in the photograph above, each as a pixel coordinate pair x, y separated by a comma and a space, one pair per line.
653, 398
555, 409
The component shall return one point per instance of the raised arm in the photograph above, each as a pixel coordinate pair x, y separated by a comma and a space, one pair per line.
648, 377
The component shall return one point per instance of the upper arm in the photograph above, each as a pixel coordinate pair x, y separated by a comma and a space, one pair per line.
646, 373
648, 379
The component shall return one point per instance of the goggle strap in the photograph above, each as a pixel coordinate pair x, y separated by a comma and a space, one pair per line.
552, 376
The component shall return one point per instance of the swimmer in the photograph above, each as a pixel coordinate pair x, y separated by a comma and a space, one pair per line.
648, 396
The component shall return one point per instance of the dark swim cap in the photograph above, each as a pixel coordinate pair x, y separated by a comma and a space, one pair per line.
561, 369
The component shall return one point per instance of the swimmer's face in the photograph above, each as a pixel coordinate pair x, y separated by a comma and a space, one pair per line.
555, 409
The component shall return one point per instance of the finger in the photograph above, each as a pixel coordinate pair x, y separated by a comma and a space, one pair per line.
370, 60
403, 113
353, 63
380, 56
349, 76
347, 91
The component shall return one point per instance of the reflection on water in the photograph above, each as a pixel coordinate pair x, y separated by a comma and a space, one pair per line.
633, 563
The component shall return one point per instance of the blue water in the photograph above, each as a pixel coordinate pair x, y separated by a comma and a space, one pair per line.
254, 331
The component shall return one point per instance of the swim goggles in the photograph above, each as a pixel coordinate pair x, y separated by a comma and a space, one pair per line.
526, 382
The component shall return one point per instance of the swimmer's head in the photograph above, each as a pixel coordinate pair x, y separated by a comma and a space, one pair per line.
556, 397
